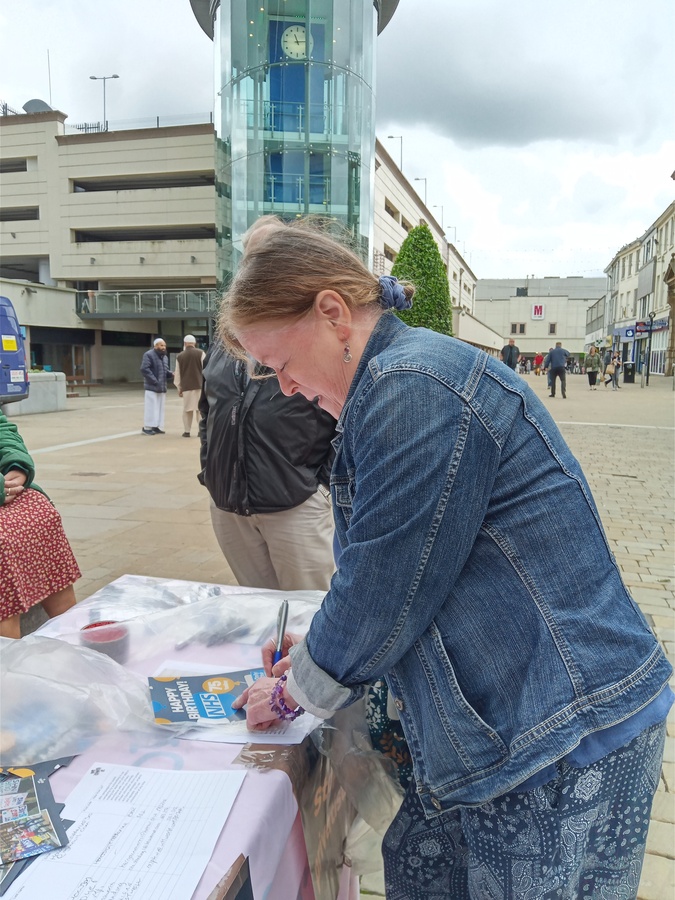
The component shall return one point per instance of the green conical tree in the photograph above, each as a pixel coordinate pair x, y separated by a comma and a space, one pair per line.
420, 262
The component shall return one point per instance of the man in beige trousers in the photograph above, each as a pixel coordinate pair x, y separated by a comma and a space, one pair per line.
188, 379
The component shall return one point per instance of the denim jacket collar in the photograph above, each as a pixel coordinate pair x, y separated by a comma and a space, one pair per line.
387, 328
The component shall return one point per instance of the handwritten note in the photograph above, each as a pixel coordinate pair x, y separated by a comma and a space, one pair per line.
139, 834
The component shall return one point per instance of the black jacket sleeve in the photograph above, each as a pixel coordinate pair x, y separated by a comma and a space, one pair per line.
203, 421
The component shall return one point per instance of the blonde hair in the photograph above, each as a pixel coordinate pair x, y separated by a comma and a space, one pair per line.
285, 266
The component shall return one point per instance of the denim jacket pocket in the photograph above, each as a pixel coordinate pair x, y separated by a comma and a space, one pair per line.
472, 746
343, 497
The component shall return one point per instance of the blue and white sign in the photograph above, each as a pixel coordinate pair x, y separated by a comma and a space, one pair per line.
643, 327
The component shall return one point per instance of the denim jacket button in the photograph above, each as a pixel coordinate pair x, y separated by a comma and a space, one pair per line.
436, 803
399, 704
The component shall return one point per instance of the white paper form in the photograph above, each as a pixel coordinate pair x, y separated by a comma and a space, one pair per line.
285, 733
138, 834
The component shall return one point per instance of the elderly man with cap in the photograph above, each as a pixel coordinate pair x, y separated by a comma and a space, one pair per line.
188, 379
156, 374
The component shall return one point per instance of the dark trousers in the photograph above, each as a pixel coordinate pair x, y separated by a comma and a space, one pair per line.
561, 373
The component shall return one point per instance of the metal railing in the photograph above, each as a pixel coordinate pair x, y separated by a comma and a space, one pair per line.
147, 303
200, 118
286, 117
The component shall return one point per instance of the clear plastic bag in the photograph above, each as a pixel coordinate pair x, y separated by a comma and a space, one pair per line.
56, 699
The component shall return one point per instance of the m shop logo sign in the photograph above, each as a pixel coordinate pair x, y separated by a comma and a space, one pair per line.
537, 310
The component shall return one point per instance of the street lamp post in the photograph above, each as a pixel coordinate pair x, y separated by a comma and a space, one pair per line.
425, 188
649, 345
397, 137
454, 240
103, 78
441, 209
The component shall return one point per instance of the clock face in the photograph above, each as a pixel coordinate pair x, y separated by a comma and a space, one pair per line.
295, 42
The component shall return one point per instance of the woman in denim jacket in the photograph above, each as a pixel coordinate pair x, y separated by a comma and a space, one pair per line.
475, 578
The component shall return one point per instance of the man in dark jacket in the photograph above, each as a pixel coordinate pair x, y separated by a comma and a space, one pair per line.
510, 354
156, 374
556, 362
266, 461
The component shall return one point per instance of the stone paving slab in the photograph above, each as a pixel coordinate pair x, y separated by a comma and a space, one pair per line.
160, 525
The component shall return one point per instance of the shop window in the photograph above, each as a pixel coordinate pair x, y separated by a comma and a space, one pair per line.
518, 327
552, 327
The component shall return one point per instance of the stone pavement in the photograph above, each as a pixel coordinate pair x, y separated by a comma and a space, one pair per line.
133, 504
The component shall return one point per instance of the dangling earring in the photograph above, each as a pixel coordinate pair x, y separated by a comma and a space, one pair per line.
347, 358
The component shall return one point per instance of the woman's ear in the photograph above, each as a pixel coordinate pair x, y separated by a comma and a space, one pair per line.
331, 307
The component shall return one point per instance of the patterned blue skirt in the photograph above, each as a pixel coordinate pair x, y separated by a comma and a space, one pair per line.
581, 835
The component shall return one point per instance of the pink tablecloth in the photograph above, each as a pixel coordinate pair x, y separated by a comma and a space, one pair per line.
264, 824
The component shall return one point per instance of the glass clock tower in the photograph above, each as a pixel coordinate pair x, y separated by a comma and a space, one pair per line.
295, 113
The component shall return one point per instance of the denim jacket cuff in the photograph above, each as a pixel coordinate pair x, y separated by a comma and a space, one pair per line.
328, 695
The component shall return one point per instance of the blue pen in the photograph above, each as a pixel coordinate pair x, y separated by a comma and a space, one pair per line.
282, 618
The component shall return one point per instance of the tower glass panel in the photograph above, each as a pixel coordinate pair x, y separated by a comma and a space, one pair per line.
295, 116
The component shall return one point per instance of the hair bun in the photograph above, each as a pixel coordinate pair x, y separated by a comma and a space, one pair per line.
392, 294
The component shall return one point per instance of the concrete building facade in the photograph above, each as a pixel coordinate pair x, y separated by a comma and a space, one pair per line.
538, 312
638, 313
398, 208
106, 239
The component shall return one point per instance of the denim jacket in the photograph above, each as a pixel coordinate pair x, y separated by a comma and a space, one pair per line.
503, 629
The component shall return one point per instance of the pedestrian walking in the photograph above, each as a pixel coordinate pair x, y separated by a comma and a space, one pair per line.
612, 369
534, 712
156, 376
592, 366
556, 363
617, 362
510, 354
188, 379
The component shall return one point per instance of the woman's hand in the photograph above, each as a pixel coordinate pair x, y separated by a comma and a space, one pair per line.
269, 649
259, 714
14, 484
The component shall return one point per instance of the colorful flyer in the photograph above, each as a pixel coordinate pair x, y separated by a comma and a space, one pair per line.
34, 825
200, 699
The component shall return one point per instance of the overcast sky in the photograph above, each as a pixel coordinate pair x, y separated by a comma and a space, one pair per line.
545, 130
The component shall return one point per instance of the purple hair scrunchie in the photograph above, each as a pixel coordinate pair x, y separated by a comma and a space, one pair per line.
392, 295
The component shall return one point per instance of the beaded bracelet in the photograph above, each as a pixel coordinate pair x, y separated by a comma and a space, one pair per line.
279, 706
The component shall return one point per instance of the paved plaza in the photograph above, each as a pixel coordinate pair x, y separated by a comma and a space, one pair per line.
132, 504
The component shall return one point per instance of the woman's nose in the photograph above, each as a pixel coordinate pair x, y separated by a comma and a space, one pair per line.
287, 385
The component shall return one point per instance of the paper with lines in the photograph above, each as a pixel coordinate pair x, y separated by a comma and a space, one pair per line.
138, 834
